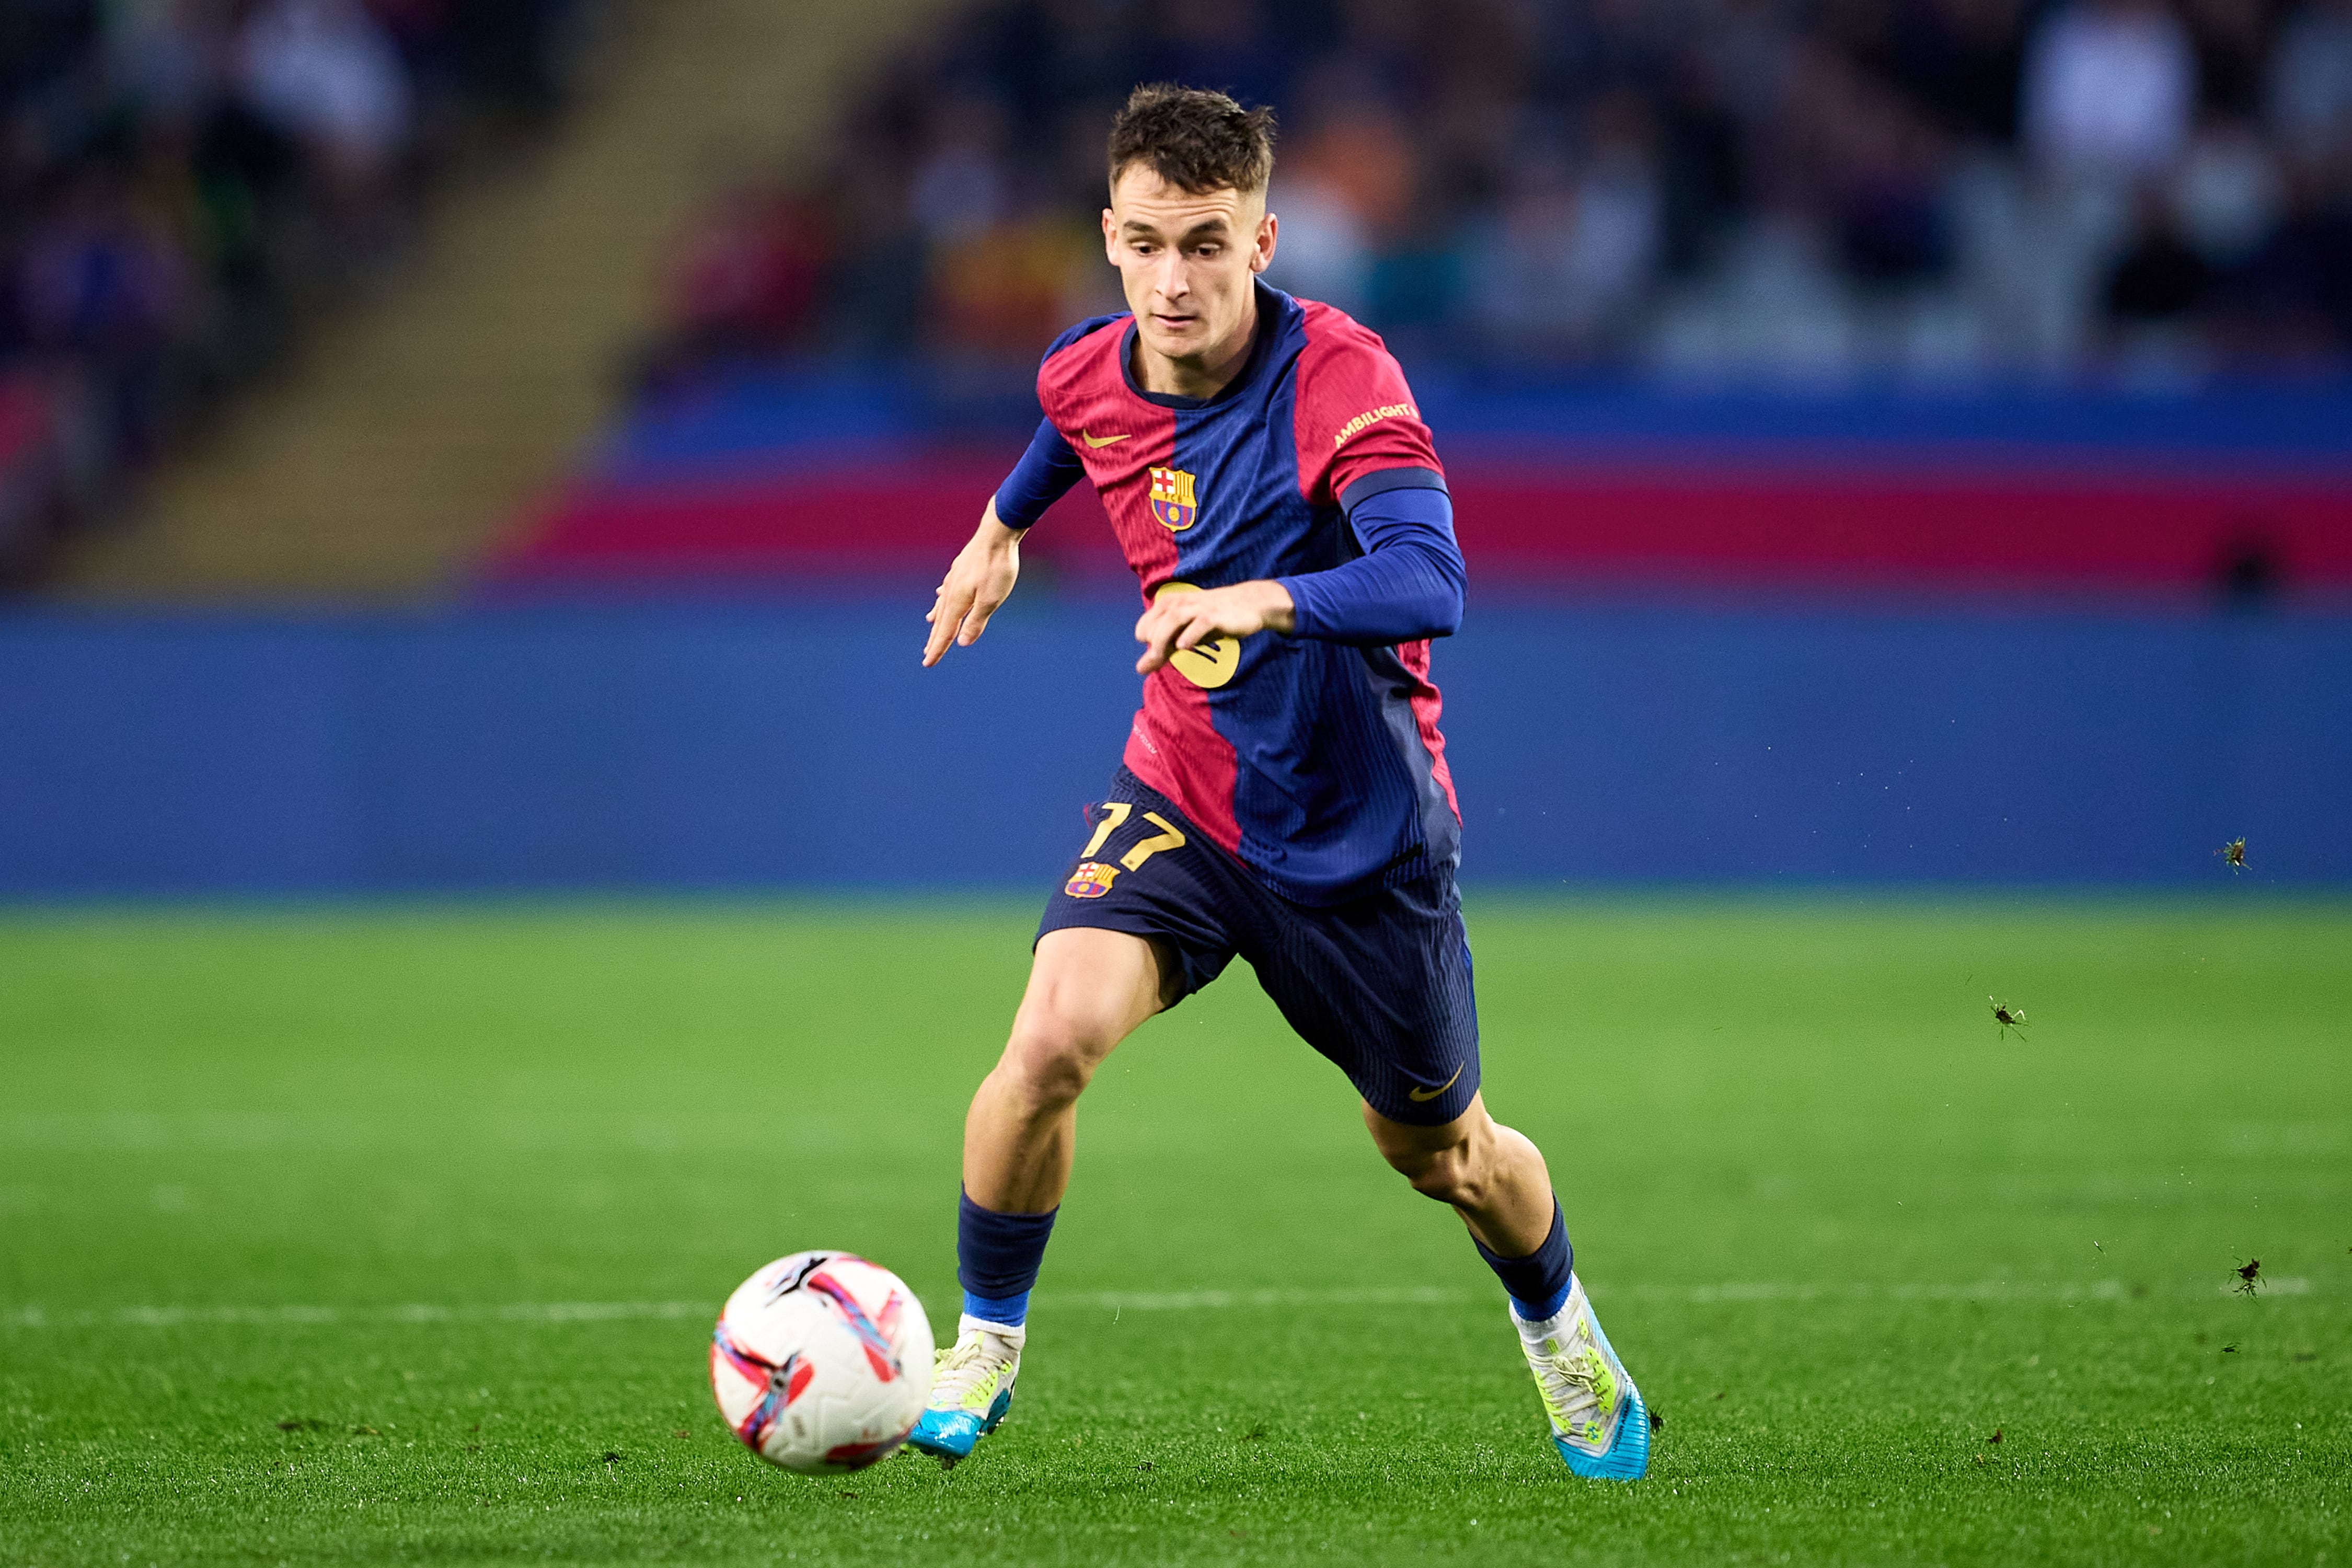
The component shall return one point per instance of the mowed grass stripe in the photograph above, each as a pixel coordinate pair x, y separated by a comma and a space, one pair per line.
1842, 1231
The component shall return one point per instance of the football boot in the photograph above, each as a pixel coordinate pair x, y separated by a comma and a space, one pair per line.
1598, 1423
971, 1388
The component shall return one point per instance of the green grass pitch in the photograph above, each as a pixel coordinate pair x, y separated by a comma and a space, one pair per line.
394, 1235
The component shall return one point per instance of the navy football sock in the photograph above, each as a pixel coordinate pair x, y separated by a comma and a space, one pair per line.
997, 1257
1538, 1283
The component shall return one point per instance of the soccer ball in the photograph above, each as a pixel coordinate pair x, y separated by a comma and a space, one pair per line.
822, 1361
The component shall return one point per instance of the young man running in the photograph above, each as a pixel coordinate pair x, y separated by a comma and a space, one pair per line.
1285, 795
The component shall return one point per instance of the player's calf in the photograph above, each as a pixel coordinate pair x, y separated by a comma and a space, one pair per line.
1087, 990
1496, 1179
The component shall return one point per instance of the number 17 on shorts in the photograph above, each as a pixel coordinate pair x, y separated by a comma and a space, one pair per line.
1094, 878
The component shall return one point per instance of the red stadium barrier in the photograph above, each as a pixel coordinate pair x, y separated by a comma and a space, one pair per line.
1858, 525
1901, 531
867, 519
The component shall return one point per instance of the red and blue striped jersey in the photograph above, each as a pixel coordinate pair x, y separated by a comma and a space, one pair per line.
1318, 764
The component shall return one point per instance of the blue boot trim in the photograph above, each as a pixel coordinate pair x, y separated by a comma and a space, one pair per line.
952, 1434
948, 1433
1628, 1459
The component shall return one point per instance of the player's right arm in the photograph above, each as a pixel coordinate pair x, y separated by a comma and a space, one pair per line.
982, 576
978, 582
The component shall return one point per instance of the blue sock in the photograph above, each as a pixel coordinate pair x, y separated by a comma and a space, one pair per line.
997, 1257
1011, 1311
1538, 1283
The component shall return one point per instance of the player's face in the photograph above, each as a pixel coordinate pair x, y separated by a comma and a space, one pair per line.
1188, 263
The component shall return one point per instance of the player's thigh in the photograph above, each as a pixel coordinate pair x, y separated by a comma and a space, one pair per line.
1383, 988
1088, 989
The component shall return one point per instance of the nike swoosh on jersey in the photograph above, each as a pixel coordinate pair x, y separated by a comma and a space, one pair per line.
1099, 442
1426, 1095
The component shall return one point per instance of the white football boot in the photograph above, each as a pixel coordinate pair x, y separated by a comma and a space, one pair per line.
1598, 1423
970, 1390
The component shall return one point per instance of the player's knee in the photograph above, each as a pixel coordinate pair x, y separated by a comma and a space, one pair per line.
1446, 1175
1045, 1072
1451, 1180
1452, 1164
1052, 1056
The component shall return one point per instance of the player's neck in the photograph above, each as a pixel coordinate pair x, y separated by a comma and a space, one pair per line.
1203, 374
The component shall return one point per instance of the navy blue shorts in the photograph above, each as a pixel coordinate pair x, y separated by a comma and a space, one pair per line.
1379, 984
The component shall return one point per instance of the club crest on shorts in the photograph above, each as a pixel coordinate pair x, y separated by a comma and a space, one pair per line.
1171, 499
1091, 880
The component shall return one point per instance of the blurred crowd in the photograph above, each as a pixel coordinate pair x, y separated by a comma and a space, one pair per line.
1922, 188
184, 182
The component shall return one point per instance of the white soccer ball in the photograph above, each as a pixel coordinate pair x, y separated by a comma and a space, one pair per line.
822, 1361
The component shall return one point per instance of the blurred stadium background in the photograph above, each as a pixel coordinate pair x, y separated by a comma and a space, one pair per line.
508, 443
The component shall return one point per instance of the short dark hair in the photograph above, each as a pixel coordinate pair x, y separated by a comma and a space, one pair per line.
1196, 140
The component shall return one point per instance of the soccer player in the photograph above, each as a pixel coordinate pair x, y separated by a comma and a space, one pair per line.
1285, 795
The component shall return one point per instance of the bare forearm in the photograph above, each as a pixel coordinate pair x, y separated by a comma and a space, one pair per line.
1268, 602
992, 534
980, 579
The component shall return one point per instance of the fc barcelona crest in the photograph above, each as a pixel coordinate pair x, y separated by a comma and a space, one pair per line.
1172, 498
1091, 880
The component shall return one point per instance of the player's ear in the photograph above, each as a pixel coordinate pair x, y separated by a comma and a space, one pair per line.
1110, 237
1262, 246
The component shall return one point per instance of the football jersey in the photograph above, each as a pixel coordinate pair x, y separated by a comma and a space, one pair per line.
1319, 765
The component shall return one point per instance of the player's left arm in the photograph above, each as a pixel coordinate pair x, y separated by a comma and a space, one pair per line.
1407, 586
1363, 447
1187, 620
1409, 582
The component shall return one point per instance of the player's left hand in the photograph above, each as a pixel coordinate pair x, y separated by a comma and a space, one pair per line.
1186, 618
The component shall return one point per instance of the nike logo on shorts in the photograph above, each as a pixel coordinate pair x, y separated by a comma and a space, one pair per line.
1426, 1095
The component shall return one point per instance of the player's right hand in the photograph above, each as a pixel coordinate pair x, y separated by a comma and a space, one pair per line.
977, 584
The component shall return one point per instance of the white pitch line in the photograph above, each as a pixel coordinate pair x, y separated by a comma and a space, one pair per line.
1691, 1295
292, 1316
1982, 1291
1116, 1301
1216, 1300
